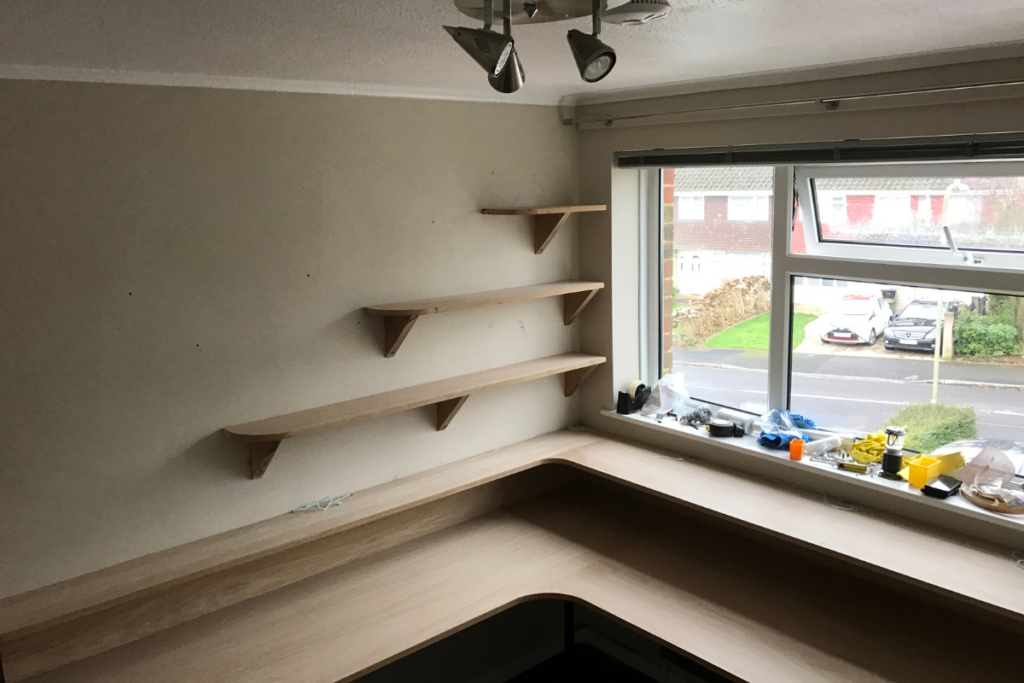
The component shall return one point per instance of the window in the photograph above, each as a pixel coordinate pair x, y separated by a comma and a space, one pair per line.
749, 208
690, 207
866, 362
981, 205
901, 287
720, 337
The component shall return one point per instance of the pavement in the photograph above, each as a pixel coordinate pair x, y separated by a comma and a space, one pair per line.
859, 391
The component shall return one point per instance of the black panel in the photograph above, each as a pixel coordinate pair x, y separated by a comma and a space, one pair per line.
933, 149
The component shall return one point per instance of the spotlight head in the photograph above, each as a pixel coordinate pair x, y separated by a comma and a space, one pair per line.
511, 78
489, 49
594, 59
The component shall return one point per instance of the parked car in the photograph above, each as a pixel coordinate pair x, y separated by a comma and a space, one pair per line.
914, 327
857, 319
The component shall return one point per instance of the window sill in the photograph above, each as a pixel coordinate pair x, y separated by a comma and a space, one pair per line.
953, 513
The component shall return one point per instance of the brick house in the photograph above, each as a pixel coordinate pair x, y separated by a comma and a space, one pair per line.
722, 219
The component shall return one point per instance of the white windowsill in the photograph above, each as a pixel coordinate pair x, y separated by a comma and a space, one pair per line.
748, 445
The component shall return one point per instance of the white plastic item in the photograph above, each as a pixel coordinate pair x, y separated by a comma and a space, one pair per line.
669, 390
737, 418
820, 446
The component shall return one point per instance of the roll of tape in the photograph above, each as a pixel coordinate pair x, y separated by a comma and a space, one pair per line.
633, 387
719, 427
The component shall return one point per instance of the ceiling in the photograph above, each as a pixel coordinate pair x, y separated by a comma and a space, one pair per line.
398, 46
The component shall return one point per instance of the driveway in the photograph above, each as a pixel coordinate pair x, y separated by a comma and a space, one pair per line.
812, 344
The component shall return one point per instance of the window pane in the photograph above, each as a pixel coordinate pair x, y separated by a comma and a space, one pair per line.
981, 213
720, 282
690, 208
867, 360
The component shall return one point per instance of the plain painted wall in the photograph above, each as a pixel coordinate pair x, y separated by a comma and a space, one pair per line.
178, 260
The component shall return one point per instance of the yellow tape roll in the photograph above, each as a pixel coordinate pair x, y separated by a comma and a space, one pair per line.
633, 387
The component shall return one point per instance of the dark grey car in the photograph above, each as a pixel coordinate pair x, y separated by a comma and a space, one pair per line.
914, 327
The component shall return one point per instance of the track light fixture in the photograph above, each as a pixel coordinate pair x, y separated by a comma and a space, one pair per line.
489, 49
512, 77
594, 59
496, 52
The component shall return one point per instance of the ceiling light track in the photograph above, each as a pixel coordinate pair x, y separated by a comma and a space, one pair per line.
496, 52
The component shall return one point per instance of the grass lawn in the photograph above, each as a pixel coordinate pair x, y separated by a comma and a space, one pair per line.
753, 334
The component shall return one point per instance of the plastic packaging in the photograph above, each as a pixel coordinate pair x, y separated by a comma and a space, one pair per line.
990, 467
669, 391
778, 430
821, 446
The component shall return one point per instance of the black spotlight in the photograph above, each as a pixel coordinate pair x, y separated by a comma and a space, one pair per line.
489, 49
594, 59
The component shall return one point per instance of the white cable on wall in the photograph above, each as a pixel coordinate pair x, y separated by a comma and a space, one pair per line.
323, 503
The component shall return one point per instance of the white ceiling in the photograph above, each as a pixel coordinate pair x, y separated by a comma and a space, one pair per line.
398, 46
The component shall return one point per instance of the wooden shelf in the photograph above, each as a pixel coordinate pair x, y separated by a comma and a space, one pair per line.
449, 395
547, 220
399, 317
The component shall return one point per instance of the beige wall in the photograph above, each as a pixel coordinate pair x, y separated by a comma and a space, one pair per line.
178, 260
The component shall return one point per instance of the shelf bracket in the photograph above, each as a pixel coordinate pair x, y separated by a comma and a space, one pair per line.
545, 227
260, 455
396, 327
446, 411
575, 303
574, 378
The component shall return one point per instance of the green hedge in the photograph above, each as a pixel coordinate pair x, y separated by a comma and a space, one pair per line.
976, 338
931, 425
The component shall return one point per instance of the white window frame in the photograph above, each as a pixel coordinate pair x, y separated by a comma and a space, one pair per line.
910, 266
940, 257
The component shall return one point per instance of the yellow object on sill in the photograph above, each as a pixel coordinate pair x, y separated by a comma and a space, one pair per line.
924, 468
869, 450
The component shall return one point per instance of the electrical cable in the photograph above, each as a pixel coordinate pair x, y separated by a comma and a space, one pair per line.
323, 503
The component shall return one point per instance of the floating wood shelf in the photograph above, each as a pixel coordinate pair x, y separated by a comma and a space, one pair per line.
449, 395
547, 220
399, 317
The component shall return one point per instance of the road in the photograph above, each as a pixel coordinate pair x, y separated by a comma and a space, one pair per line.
859, 393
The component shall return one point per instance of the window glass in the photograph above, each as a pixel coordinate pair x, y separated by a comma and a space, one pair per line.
690, 207
984, 213
867, 360
721, 283
749, 207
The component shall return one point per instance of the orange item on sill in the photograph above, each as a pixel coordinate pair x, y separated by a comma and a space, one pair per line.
796, 449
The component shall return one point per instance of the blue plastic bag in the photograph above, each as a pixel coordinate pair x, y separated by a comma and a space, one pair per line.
779, 428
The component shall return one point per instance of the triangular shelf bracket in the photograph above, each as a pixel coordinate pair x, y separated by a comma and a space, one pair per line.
260, 455
573, 379
446, 411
